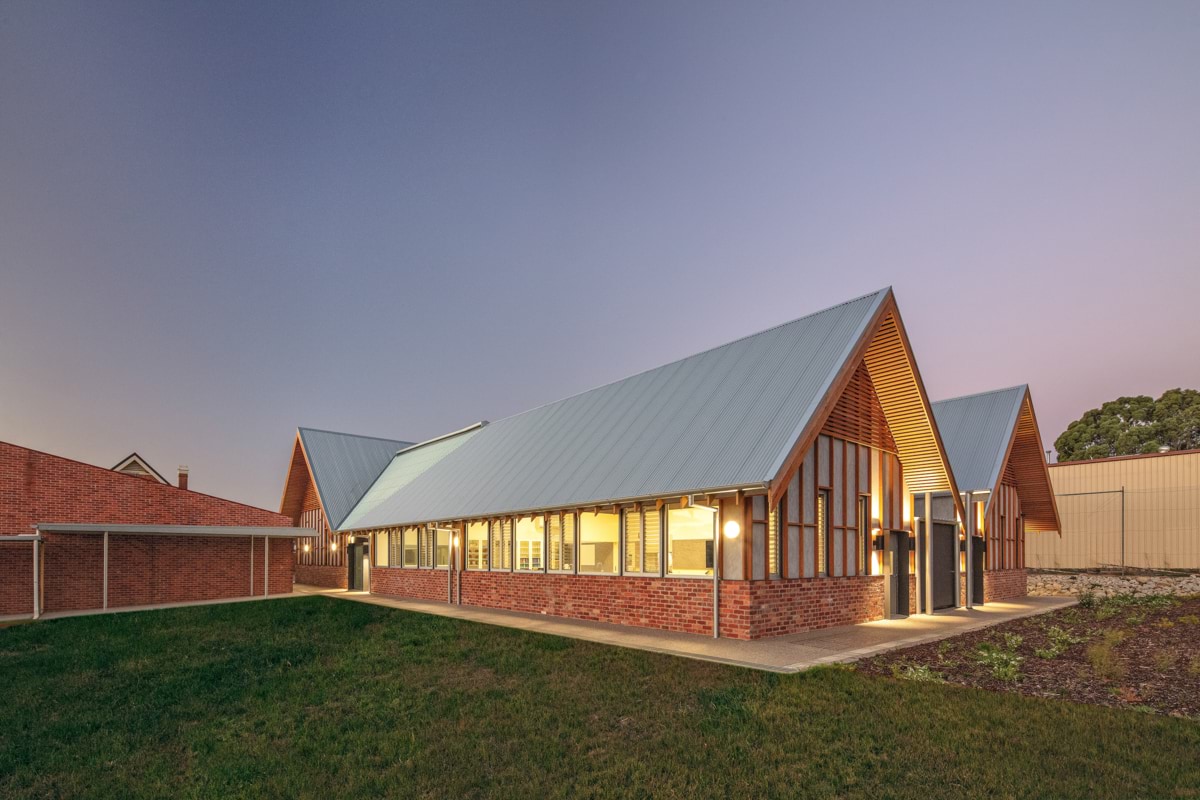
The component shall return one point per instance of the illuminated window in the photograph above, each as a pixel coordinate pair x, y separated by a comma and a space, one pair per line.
599, 538
864, 534
477, 545
410, 547
561, 534
774, 527
653, 535
425, 547
531, 533
823, 532
690, 541
380, 545
441, 547
497, 548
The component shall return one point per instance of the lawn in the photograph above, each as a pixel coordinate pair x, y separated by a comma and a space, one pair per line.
318, 697
1141, 653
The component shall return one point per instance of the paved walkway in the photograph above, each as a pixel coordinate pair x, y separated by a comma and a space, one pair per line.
778, 654
89, 612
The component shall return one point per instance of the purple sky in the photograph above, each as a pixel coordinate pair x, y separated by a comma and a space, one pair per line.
221, 221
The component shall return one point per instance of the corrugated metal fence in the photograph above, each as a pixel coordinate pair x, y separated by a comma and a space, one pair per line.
1141, 512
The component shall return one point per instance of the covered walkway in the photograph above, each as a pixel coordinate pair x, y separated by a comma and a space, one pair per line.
791, 653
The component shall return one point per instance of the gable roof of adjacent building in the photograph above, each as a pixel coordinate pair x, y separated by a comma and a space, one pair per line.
984, 433
343, 466
728, 418
135, 465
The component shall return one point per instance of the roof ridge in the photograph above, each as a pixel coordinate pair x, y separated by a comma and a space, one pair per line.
981, 394
696, 354
355, 435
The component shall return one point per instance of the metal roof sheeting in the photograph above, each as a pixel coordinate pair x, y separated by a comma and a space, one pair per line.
405, 467
723, 418
262, 531
976, 430
344, 466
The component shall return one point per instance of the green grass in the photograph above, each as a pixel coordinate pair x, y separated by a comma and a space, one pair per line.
318, 697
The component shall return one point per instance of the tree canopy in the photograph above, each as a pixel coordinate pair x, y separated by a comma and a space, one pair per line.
1131, 425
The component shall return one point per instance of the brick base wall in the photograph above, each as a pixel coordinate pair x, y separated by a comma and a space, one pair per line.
749, 609
329, 577
779, 607
420, 584
144, 570
1004, 584
16, 578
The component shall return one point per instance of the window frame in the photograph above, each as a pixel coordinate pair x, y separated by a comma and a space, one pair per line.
564, 541
665, 525
866, 545
516, 540
413, 532
487, 545
617, 556
824, 533
377, 551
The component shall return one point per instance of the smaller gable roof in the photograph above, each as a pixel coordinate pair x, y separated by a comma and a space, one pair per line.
344, 466
133, 464
976, 430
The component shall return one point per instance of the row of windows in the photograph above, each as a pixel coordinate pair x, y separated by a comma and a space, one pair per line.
602, 543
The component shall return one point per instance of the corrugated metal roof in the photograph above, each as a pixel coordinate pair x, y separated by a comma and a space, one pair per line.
976, 430
405, 467
261, 531
721, 418
344, 466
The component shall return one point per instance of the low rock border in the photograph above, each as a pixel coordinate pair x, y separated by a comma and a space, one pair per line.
1080, 583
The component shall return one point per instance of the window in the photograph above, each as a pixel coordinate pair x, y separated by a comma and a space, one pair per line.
410, 547
599, 538
633, 540
380, 546
502, 533
864, 534
690, 541
425, 549
531, 533
776, 524
441, 547
653, 535
561, 530
477, 545
823, 532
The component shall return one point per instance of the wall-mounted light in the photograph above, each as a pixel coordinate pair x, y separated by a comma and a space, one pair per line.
307, 547
333, 547
732, 529
454, 540
877, 538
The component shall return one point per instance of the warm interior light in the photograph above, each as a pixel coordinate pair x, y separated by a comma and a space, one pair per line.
732, 529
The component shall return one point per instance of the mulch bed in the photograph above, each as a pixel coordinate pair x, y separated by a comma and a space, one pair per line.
1141, 653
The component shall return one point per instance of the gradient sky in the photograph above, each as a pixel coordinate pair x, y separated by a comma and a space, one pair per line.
219, 221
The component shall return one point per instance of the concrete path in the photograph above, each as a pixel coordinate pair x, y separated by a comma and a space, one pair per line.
779, 654
89, 612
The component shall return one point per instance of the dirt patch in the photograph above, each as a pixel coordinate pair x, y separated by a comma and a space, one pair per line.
1128, 652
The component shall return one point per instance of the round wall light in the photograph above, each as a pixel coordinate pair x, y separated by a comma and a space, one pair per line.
732, 529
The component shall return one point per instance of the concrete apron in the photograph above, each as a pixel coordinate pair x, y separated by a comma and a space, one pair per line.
792, 653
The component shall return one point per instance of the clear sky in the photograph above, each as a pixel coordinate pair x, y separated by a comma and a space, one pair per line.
219, 221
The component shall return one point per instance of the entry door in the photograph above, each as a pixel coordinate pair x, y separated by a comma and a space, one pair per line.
355, 554
899, 576
978, 548
945, 541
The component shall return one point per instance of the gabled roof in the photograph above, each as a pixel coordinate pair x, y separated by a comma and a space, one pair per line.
988, 432
976, 430
404, 468
722, 419
135, 465
343, 466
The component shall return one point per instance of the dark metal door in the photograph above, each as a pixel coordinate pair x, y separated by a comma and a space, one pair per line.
977, 551
355, 555
900, 574
945, 541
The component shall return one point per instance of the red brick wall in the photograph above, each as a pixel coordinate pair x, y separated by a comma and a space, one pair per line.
329, 577
1004, 584
38, 487
143, 570
779, 607
16, 578
421, 584
749, 609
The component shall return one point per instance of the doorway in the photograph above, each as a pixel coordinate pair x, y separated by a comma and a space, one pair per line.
896, 562
358, 577
978, 549
945, 547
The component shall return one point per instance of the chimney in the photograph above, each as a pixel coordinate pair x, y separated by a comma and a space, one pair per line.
183, 473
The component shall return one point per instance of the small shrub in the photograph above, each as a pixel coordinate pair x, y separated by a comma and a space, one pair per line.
1103, 658
1164, 623
1004, 664
1012, 641
1060, 641
917, 672
1189, 619
1194, 666
1164, 661
1087, 599
1136, 619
